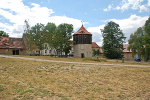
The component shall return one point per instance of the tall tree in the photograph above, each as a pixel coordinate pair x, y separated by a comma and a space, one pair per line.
4, 34
135, 42
146, 39
63, 36
113, 39
38, 35
28, 36
49, 34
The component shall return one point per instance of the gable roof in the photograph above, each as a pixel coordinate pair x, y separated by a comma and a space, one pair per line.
125, 46
11, 43
82, 30
94, 45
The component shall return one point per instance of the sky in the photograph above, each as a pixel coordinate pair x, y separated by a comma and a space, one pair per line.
95, 14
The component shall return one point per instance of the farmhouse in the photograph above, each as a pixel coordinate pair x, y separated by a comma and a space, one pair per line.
13, 46
82, 47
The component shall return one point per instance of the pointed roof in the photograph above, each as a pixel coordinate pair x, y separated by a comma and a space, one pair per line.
82, 30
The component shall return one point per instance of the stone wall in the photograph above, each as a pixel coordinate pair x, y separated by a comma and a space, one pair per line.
85, 49
10, 51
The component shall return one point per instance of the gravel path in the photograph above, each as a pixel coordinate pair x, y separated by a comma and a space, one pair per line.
81, 63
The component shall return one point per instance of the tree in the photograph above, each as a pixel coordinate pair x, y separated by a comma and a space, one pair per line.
96, 52
3, 34
49, 34
113, 39
28, 36
135, 42
146, 39
63, 36
38, 35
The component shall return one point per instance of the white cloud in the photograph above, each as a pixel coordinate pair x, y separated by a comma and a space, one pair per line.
128, 26
148, 3
117, 8
143, 8
108, 9
96, 34
16, 12
131, 4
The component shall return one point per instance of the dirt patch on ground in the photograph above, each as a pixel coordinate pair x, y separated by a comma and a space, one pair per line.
78, 63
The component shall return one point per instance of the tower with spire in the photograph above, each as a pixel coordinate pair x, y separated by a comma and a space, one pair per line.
82, 43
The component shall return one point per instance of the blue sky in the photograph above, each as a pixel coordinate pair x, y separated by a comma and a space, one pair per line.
129, 14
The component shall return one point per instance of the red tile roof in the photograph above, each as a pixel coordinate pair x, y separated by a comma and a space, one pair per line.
11, 43
82, 30
125, 46
94, 45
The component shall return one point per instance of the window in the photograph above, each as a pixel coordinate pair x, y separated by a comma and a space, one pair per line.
45, 51
49, 51
45, 45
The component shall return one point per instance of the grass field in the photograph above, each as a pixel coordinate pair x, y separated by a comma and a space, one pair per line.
25, 80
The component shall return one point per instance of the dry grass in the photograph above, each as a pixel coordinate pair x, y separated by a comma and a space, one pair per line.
88, 60
24, 79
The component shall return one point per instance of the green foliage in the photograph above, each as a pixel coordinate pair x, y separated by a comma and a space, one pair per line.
63, 36
49, 35
135, 42
96, 52
147, 26
146, 39
57, 37
3, 34
113, 39
28, 36
37, 35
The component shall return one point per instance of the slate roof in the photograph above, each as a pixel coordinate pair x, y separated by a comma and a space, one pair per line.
82, 30
125, 46
94, 45
11, 43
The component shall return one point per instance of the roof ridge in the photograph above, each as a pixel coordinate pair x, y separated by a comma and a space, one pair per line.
82, 30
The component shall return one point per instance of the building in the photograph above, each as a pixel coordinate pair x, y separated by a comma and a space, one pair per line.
127, 53
83, 43
95, 46
12, 46
48, 51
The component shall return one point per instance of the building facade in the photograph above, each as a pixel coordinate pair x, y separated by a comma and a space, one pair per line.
82, 43
12, 46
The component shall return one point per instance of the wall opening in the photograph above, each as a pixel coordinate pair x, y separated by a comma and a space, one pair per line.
82, 55
15, 52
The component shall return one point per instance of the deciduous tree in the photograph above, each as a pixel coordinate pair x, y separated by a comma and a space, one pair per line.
38, 37
113, 39
135, 42
3, 34
146, 39
63, 36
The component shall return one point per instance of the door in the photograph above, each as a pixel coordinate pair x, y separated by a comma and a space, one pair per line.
15, 52
82, 55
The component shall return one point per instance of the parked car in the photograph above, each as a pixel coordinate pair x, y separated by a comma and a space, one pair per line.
71, 55
138, 60
35, 54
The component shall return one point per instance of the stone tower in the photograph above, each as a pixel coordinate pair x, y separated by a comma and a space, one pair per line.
83, 43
